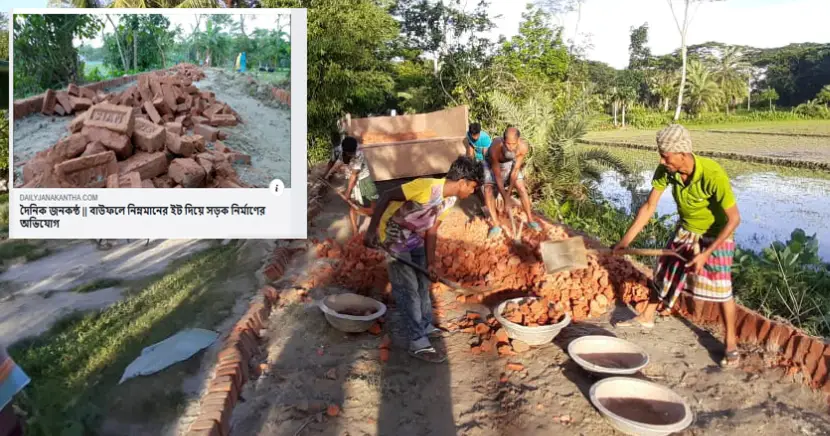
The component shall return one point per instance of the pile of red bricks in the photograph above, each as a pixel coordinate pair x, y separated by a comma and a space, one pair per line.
152, 135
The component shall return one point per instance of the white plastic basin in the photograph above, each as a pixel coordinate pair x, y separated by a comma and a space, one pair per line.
333, 305
641, 408
607, 355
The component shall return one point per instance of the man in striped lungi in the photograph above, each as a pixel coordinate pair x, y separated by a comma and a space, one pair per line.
705, 233
12, 380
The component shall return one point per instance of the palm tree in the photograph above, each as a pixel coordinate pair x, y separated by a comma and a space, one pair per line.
704, 94
664, 85
731, 74
559, 168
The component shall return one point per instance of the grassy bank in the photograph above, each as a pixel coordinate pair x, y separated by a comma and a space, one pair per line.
75, 366
786, 281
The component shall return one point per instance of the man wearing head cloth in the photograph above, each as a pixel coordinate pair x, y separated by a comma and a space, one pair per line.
704, 235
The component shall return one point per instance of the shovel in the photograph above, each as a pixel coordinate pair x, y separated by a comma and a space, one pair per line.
571, 254
457, 288
339, 194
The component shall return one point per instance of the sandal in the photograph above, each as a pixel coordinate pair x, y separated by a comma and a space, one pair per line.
435, 332
731, 359
494, 232
635, 322
428, 354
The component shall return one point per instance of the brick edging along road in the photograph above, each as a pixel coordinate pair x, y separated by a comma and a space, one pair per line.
798, 352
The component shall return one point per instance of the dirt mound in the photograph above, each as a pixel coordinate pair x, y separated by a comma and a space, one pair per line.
139, 138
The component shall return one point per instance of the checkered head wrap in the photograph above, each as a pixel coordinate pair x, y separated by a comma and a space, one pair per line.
674, 139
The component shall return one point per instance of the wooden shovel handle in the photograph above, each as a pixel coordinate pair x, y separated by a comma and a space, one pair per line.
641, 252
343, 197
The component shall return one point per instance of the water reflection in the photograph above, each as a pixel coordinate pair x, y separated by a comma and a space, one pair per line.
771, 206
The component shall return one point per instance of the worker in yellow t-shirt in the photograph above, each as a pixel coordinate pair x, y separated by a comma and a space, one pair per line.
405, 223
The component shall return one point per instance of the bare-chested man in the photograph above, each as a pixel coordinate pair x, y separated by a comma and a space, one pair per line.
503, 169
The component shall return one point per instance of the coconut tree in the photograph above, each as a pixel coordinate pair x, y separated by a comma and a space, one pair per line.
703, 91
560, 169
663, 84
823, 96
770, 95
730, 71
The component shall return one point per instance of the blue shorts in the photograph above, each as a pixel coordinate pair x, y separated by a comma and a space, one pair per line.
506, 169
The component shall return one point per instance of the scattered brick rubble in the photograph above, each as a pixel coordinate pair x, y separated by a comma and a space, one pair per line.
155, 134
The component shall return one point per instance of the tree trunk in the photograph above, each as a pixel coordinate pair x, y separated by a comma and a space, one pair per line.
135, 50
683, 53
614, 105
161, 51
666, 104
118, 41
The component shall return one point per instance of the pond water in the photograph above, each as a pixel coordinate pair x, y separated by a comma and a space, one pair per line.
771, 205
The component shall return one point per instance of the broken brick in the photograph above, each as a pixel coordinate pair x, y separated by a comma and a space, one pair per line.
80, 103
78, 123
89, 171
222, 120
73, 90
174, 127
152, 112
49, 102
148, 165
515, 367
148, 136
119, 119
71, 146
175, 145
65, 101
197, 142
117, 142
147, 184
207, 132
94, 147
188, 173
163, 182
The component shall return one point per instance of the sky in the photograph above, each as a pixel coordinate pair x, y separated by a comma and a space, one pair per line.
759, 23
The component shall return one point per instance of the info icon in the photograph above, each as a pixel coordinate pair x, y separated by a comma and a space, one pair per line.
276, 187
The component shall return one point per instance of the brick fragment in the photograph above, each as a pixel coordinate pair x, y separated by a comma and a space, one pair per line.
73, 90
77, 124
748, 329
223, 120
197, 142
117, 142
176, 145
205, 427
515, 367
163, 182
152, 112
112, 181
80, 103
188, 173
89, 171
71, 146
208, 132
147, 184
87, 93
198, 119
815, 352
50, 99
94, 147
174, 127
65, 101
169, 95
59, 110
148, 165
148, 136
779, 336
119, 119
161, 106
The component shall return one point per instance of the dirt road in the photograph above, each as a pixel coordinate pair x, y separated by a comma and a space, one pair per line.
264, 135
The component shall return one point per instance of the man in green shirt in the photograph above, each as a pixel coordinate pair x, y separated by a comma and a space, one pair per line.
708, 219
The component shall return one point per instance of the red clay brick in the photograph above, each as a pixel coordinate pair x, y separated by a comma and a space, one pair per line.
148, 165
77, 124
764, 329
223, 398
822, 369
814, 352
94, 147
234, 371
779, 336
148, 136
147, 184
59, 110
212, 110
71, 146
119, 119
174, 127
65, 101
223, 120
112, 181
131, 180
197, 141
72, 89
80, 103
49, 101
178, 147
198, 119
188, 173
238, 158
152, 112
208, 132
169, 95
163, 182
205, 426
89, 171
747, 329
117, 142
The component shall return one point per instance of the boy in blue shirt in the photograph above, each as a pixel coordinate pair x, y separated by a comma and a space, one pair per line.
477, 142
